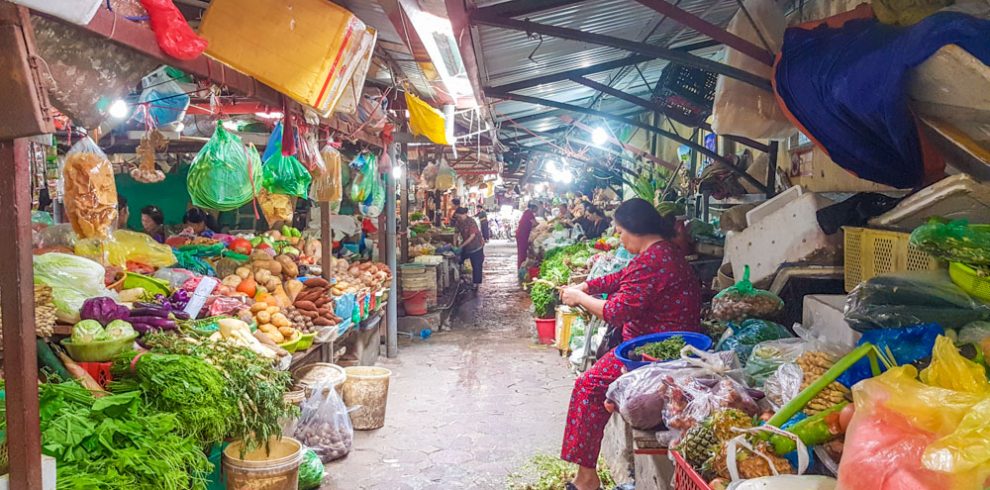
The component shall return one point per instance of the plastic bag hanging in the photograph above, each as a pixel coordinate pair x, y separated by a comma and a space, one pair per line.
173, 33
284, 174
90, 190
225, 174
329, 185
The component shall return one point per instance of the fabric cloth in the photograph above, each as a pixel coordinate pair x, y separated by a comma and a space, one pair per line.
468, 229
855, 211
656, 292
591, 229
843, 81
526, 224
477, 259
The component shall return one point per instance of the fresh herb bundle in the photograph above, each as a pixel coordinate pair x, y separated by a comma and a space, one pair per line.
665, 350
544, 298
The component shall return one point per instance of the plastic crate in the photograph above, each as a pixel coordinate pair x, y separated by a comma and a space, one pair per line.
870, 253
685, 477
969, 280
686, 93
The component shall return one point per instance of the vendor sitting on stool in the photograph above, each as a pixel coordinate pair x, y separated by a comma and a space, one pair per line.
656, 292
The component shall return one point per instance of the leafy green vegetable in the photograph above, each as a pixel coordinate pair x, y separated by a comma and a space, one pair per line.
87, 332
544, 298
557, 263
546, 472
665, 350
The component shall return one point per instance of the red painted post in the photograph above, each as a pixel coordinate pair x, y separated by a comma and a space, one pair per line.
20, 363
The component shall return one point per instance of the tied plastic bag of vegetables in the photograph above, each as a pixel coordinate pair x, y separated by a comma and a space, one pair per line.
742, 338
954, 241
742, 300
225, 174
73, 280
911, 298
284, 174
311, 471
90, 190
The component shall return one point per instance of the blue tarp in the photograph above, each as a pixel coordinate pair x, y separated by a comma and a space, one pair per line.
847, 87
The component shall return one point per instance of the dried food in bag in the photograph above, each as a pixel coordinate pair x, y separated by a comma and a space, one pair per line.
275, 207
328, 186
90, 190
324, 424
742, 300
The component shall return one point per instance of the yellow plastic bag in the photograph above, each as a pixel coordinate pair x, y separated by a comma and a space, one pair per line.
276, 207
126, 245
426, 120
328, 186
949, 369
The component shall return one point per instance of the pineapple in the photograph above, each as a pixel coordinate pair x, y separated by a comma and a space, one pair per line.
751, 465
723, 421
698, 444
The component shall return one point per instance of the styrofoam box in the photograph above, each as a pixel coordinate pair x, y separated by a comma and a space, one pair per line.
48, 475
767, 208
788, 235
823, 314
956, 197
76, 11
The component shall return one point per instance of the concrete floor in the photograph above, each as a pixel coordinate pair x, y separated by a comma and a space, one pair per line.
469, 406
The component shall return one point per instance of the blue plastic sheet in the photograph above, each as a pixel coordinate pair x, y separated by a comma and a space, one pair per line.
906, 344
846, 87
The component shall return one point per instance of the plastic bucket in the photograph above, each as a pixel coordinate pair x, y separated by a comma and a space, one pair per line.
277, 469
414, 302
546, 330
367, 387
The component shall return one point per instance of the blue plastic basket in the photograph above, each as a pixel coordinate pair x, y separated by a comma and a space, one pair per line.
624, 350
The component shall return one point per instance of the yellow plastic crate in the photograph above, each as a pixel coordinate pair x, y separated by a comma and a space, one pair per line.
870, 253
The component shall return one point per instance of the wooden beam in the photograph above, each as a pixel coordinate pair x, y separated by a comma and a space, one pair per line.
654, 51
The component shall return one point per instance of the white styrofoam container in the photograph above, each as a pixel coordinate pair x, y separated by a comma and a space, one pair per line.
48, 474
75, 11
823, 314
956, 197
788, 235
775, 203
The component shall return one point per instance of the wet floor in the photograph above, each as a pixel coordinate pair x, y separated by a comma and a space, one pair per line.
470, 405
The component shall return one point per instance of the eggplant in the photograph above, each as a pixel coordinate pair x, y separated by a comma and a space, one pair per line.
180, 315
151, 322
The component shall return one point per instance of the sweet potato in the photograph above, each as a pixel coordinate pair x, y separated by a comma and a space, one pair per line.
322, 300
316, 282
323, 322
305, 305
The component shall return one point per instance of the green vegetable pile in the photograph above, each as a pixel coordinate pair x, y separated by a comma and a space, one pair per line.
557, 263
665, 350
116, 442
546, 472
544, 298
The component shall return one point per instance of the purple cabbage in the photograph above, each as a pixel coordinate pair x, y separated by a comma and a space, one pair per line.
103, 310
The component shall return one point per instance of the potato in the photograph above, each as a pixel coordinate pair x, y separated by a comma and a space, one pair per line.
232, 280
267, 327
243, 272
287, 332
259, 306
280, 320
262, 276
275, 335
263, 317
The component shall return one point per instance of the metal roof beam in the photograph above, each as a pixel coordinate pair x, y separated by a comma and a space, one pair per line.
711, 30
661, 52
618, 94
515, 8
639, 124
565, 75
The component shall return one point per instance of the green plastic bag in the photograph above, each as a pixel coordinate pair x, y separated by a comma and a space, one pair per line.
744, 337
954, 241
311, 471
286, 175
742, 300
225, 174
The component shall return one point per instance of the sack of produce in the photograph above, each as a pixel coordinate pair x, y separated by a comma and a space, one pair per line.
741, 301
742, 338
225, 174
328, 186
73, 280
907, 433
90, 190
954, 241
311, 471
912, 298
324, 424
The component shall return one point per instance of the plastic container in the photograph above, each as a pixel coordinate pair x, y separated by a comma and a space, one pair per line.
367, 387
290, 346
305, 341
624, 350
869, 253
100, 371
76, 11
772, 205
955, 197
968, 280
685, 477
414, 302
274, 469
546, 330
98, 351
312, 375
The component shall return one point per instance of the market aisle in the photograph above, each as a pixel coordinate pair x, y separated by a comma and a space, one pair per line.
469, 406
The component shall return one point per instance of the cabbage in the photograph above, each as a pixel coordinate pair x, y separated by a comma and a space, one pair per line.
88, 331
119, 329
73, 279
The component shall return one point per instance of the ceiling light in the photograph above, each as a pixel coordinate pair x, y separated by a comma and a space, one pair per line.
567, 178
396, 172
269, 115
230, 126
551, 167
599, 136
118, 109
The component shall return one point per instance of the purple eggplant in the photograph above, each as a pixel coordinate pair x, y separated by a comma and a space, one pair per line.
146, 311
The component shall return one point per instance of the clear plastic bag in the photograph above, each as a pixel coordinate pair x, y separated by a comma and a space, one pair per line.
73, 280
126, 246
742, 338
955, 241
328, 186
275, 207
225, 174
741, 301
767, 357
60, 235
90, 190
911, 298
974, 333
783, 385
324, 424
311, 471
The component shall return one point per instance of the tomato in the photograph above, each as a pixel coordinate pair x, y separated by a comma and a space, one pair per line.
241, 246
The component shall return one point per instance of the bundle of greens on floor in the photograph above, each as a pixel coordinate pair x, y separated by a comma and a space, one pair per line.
116, 442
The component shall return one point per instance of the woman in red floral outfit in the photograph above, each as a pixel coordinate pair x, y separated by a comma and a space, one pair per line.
656, 292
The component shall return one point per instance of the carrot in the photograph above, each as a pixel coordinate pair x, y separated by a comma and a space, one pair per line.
80, 375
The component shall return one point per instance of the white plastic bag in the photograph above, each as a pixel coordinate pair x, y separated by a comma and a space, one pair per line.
741, 109
324, 424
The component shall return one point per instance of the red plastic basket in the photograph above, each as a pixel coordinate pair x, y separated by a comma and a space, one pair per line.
685, 477
100, 371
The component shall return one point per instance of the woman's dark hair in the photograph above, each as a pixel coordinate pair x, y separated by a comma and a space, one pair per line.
592, 209
456, 201
194, 215
639, 217
461, 210
154, 213
531, 206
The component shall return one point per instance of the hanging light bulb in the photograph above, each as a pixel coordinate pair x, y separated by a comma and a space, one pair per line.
396, 172
551, 167
567, 178
118, 109
599, 136
230, 126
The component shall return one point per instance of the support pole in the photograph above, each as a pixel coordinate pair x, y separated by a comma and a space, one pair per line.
404, 207
392, 345
772, 169
326, 241
20, 361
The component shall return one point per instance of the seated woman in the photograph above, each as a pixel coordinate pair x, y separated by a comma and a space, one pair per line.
593, 222
196, 222
656, 292
153, 222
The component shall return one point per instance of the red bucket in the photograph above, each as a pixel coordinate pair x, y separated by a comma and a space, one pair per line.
414, 302
546, 330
